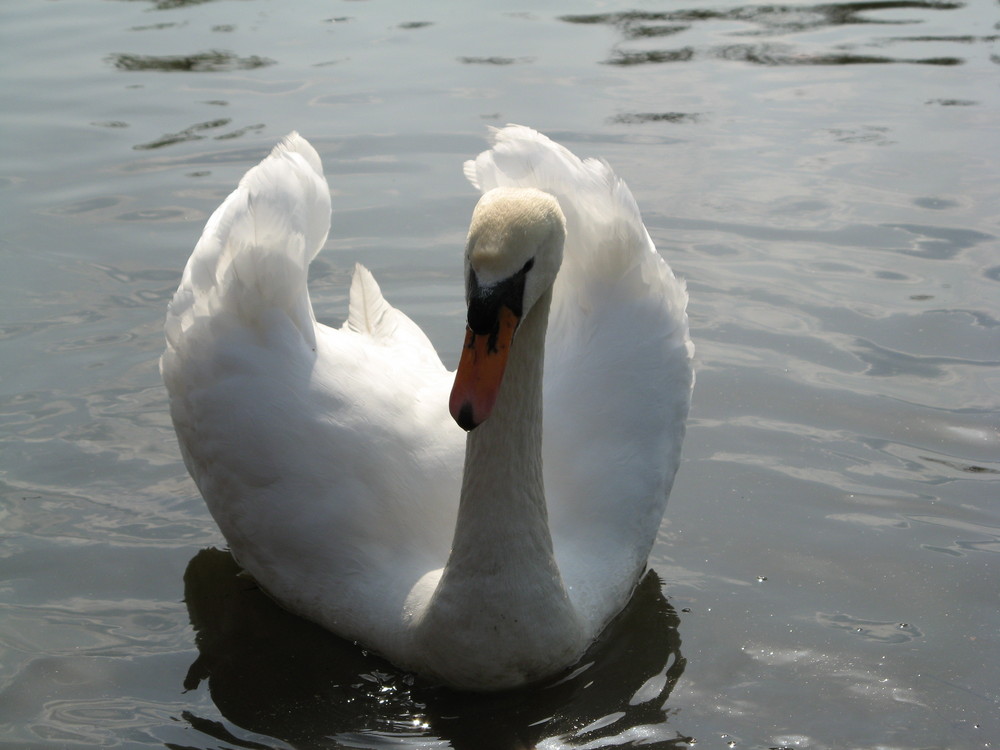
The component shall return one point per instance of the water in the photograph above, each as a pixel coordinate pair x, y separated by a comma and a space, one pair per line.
824, 177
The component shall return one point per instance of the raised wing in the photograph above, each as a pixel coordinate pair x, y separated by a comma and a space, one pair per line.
318, 451
618, 371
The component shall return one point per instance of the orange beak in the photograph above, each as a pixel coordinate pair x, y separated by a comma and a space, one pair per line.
480, 371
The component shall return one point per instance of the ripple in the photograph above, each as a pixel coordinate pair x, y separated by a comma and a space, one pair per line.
940, 243
154, 214
97, 341
100, 721
198, 132
891, 276
770, 20
159, 26
979, 529
785, 55
952, 102
959, 39
873, 630
86, 206
495, 60
352, 99
887, 363
684, 54
962, 467
212, 61
870, 520
79, 317
635, 118
773, 18
240, 132
934, 204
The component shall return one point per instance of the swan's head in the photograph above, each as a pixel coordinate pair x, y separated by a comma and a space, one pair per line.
512, 256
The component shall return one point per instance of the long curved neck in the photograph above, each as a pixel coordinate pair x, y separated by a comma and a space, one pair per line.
501, 599
502, 511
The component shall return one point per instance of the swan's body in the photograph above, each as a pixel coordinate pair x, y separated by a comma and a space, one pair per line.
331, 463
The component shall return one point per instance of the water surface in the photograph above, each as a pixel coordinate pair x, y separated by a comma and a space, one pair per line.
824, 176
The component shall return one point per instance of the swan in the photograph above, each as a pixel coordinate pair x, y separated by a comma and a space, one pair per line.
435, 517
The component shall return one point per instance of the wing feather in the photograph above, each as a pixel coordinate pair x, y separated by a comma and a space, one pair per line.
316, 449
618, 373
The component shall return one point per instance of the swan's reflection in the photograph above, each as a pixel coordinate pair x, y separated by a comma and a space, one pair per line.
278, 675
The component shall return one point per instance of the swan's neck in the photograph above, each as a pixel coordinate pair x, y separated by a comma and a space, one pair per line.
500, 603
502, 513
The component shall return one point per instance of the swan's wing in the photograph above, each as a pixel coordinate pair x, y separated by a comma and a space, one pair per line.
327, 457
254, 251
618, 371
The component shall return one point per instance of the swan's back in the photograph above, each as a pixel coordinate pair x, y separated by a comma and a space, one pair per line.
618, 370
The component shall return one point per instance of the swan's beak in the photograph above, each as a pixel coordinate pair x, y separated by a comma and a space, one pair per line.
480, 370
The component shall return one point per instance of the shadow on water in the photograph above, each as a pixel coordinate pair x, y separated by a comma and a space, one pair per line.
275, 674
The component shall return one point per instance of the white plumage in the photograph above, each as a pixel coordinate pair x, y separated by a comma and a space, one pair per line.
330, 461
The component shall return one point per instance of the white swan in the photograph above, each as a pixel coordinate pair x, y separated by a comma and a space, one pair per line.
330, 461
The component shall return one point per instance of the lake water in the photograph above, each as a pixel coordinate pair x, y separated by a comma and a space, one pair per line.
824, 176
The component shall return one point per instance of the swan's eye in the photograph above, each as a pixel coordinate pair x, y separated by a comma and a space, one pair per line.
485, 301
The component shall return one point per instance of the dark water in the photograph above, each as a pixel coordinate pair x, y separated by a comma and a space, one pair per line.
825, 176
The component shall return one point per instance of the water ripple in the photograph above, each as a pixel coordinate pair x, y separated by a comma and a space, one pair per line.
773, 20
213, 61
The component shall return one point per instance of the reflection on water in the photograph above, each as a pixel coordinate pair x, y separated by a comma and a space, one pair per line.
764, 20
772, 18
172, 4
213, 61
199, 131
774, 54
494, 60
641, 117
278, 675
